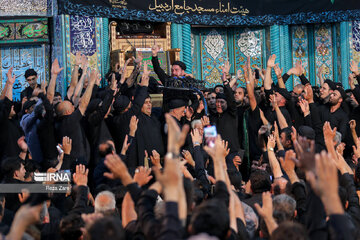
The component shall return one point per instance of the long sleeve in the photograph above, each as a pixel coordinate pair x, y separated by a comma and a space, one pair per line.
316, 218
346, 180
200, 169
96, 117
298, 190
81, 200
158, 70
303, 79
150, 226
171, 226
231, 103
341, 226
356, 93
135, 191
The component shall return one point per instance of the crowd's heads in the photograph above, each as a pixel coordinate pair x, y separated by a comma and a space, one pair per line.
221, 104
290, 230
147, 106
306, 131
178, 69
219, 89
285, 137
298, 90
13, 168
337, 96
326, 89
121, 104
260, 181
70, 227
239, 95
108, 228
65, 108
211, 217
105, 202
29, 106
211, 100
31, 77
284, 208
197, 124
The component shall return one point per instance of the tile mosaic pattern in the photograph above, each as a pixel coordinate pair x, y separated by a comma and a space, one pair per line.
300, 49
323, 50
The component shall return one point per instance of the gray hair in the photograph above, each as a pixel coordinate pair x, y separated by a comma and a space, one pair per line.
104, 202
194, 122
284, 207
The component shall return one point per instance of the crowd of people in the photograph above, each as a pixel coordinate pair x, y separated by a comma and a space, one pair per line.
283, 165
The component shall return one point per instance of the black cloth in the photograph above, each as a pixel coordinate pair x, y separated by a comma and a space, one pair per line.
46, 133
147, 137
122, 120
27, 92
227, 122
338, 119
71, 126
10, 132
159, 71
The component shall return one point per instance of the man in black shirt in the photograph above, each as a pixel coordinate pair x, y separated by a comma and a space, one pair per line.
31, 77
177, 70
70, 123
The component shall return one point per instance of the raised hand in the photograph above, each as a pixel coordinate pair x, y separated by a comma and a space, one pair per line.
266, 211
118, 169
309, 95
139, 57
304, 105
84, 63
154, 50
78, 59
288, 163
80, 177
55, 67
10, 76
329, 133
145, 76
155, 158
188, 157
125, 145
271, 142
133, 125
66, 145
113, 84
299, 68
325, 183
226, 68
354, 67
271, 61
305, 153
196, 137
351, 80
22, 144
176, 137
356, 148
205, 121
278, 71
142, 176
352, 124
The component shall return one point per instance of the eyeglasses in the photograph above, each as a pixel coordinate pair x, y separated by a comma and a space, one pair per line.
30, 79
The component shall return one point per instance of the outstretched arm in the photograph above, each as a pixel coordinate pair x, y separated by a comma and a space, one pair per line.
85, 99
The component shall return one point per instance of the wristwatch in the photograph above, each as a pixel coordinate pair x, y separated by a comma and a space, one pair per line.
270, 149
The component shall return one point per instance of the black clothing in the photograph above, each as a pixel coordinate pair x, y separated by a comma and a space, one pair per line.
227, 122
10, 132
122, 121
27, 92
71, 126
148, 137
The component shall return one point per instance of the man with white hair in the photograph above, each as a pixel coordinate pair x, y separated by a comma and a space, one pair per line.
105, 203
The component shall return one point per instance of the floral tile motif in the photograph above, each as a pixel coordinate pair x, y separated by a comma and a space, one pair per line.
300, 49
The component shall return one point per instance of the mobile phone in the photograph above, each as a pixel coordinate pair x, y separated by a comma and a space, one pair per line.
59, 149
210, 134
257, 75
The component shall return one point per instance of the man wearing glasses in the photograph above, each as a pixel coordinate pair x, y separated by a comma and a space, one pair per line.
31, 78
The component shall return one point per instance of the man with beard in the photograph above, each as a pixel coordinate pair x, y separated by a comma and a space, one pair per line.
336, 115
211, 102
242, 104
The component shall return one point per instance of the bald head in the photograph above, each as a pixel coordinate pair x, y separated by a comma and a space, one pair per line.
64, 108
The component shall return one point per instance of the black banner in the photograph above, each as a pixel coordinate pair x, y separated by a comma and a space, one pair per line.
217, 12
